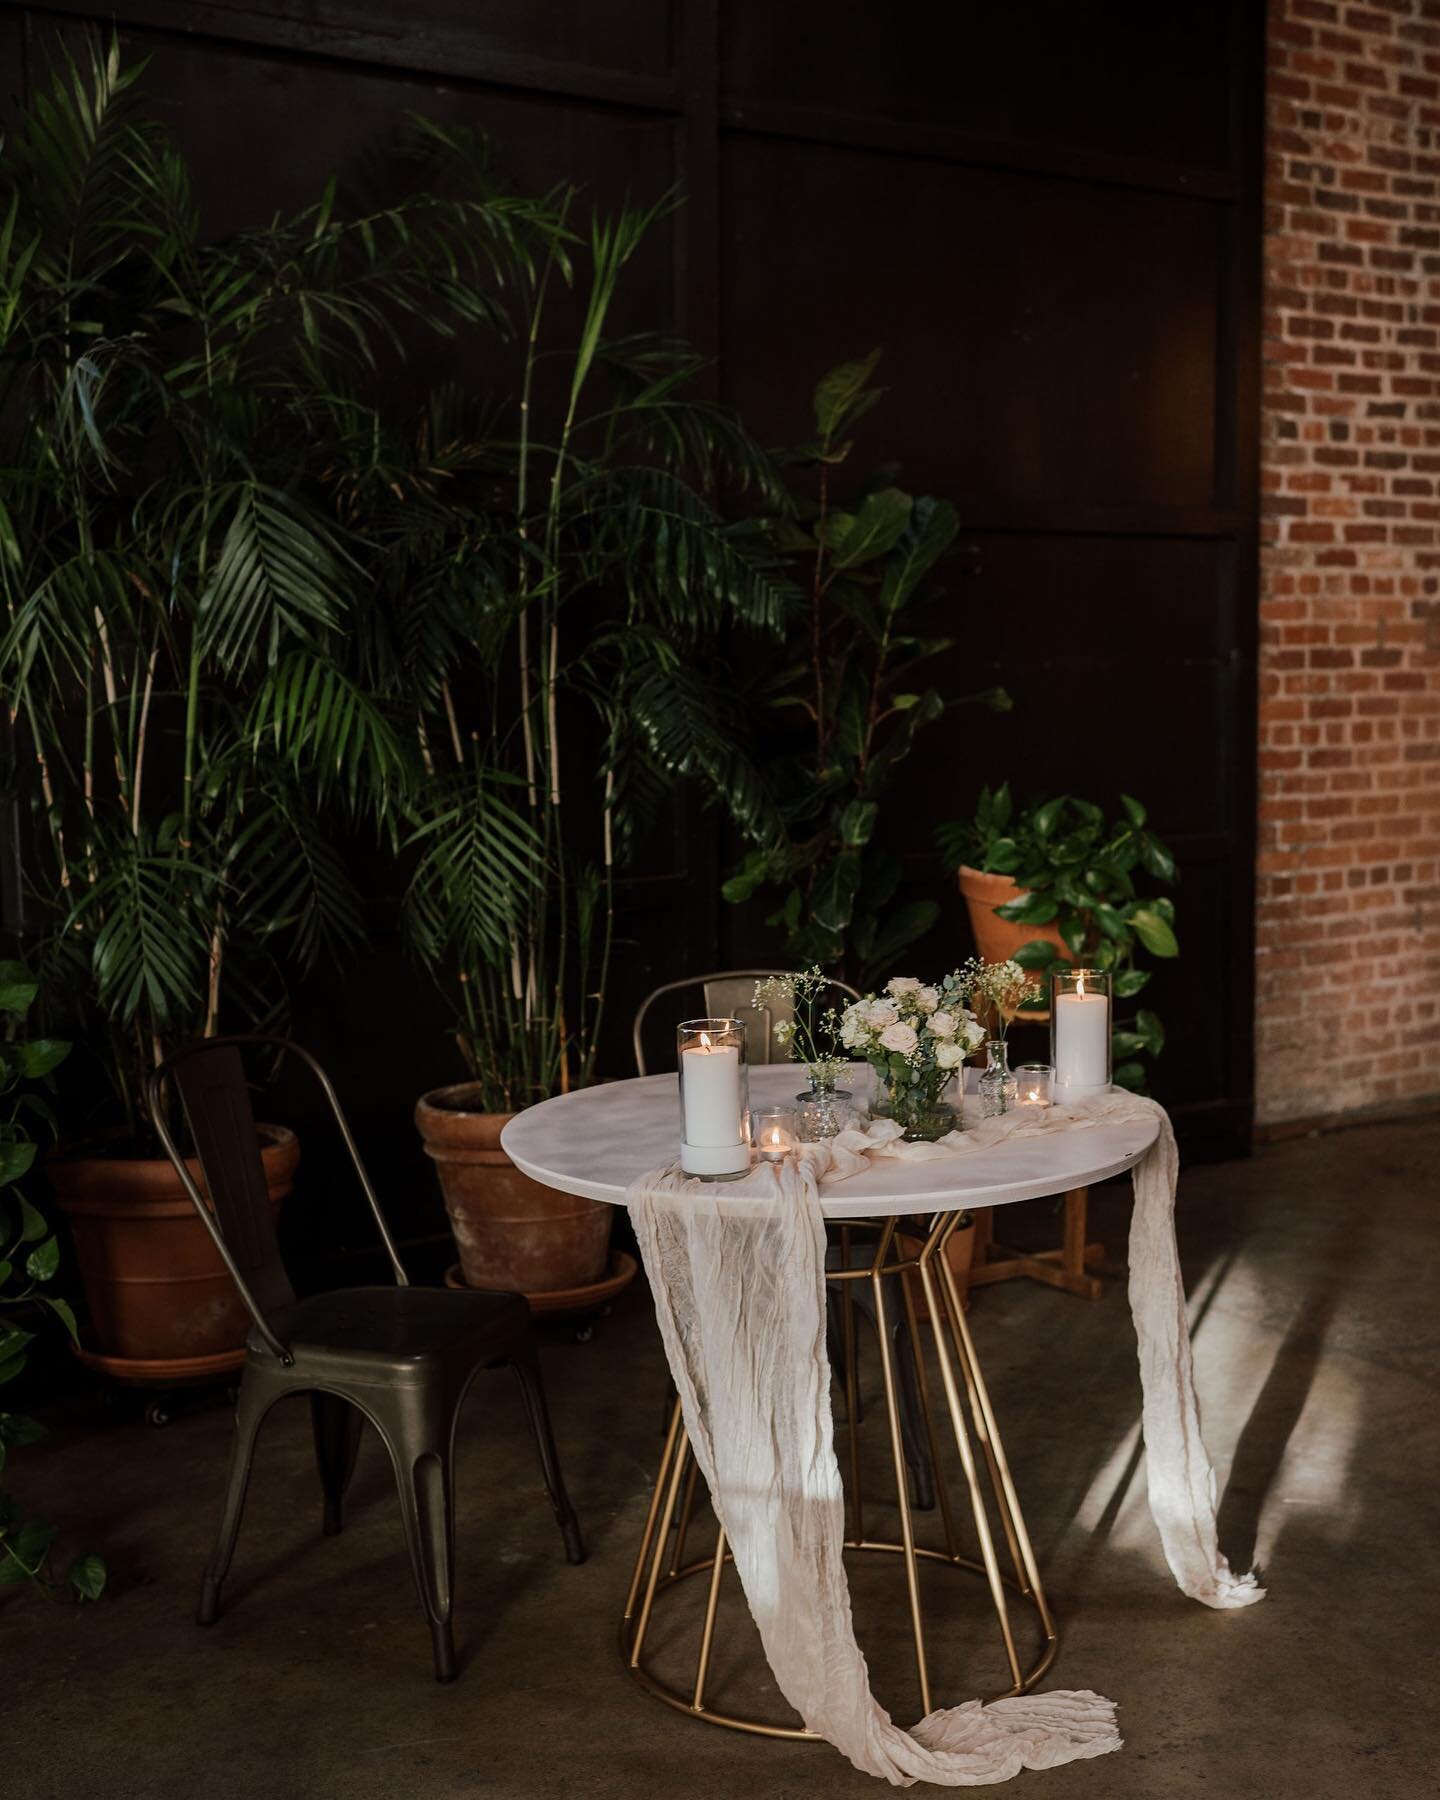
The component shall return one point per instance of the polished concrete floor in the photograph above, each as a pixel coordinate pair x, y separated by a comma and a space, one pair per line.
1313, 1279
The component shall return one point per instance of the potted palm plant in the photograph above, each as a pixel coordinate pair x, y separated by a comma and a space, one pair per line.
563, 571
188, 699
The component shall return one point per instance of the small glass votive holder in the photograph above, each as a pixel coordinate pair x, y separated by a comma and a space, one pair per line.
1033, 1083
714, 1098
773, 1134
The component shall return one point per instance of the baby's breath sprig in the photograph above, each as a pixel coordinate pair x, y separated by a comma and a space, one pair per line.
811, 1040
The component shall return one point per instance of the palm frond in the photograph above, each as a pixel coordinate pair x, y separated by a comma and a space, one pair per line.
479, 878
281, 574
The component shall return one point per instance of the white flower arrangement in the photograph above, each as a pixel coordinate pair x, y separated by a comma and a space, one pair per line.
915, 1036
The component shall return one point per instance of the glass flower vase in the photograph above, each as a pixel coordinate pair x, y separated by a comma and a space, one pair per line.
922, 1113
997, 1086
823, 1110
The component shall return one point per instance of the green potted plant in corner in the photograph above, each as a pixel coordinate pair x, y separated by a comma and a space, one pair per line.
560, 572
849, 698
29, 1259
1057, 882
186, 682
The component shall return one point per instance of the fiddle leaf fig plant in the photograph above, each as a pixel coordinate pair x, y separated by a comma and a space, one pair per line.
850, 696
29, 1259
1082, 873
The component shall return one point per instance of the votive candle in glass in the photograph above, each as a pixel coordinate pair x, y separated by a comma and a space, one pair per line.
714, 1098
1032, 1084
1080, 1030
773, 1134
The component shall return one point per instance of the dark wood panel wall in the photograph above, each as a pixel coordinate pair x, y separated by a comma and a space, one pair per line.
1048, 215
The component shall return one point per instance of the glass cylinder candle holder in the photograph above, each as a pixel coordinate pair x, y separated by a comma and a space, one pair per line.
1032, 1084
773, 1133
1080, 1003
714, 1098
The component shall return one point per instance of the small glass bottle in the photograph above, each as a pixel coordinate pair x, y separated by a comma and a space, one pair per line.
997, 1086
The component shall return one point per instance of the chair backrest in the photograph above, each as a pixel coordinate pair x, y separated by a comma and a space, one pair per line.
209, 1077
730, 994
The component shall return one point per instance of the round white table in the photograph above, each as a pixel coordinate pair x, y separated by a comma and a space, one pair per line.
598, 1141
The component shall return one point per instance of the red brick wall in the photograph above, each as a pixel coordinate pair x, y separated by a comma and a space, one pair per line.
1348, 975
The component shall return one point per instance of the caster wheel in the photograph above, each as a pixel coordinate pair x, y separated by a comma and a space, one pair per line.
157, 1413
584, 1334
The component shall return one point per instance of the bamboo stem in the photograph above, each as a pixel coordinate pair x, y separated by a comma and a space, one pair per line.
140, 744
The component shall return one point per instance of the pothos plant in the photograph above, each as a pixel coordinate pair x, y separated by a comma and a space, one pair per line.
29, 1259
1084, 874
850, 698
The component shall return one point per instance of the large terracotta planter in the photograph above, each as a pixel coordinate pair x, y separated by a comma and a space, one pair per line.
154, 1282
997, 939
512, 1233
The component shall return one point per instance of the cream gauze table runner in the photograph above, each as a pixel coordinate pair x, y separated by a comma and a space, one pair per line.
738, 1275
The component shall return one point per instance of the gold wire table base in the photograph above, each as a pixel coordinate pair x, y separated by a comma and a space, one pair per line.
660, 1566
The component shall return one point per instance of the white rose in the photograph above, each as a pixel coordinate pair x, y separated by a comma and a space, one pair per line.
927, 998
949, 1056
942, 1024
880, 1013
854, 1031
902, 984
899, 1037
973, 1032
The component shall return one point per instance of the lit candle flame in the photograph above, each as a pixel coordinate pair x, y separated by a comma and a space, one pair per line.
704, 1040
775, 1136
1080, 985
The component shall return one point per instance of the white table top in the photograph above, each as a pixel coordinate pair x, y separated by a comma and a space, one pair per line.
599, 1140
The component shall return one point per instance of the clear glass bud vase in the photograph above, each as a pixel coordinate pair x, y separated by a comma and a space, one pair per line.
997, 1086
823, 1110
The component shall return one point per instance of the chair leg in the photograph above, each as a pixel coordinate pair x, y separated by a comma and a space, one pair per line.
527, 1372
336, 1425
419, 1437
250, 1409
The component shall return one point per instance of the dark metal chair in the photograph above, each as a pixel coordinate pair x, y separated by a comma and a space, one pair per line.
400, 1356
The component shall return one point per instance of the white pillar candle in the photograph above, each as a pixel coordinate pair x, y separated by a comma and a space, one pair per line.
1082, 1040
712, 1094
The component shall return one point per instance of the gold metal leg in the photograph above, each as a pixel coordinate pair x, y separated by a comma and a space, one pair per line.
658, 1568
902, 1484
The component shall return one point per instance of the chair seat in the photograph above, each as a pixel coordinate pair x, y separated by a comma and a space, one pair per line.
396, 1330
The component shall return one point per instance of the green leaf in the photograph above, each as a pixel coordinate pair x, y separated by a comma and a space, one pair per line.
1038, 907
1039, 953
1046, 817
841, 399
855, 538
1129, 982
41, 1055
62, 1311
931, 528
832, 900
1130, 1075
1126, 1043
857, 822
17, 989
32, 1222
87, 1577
1149, 1026
1134, 811
15, 1160
1112, 923
16, 1430
1157, 859
901, 927
43, 1261
1003, 856
1154, 932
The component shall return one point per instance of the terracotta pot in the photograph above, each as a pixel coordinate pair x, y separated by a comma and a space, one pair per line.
512, 1233
156, 1287
997, 939
959, 1253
